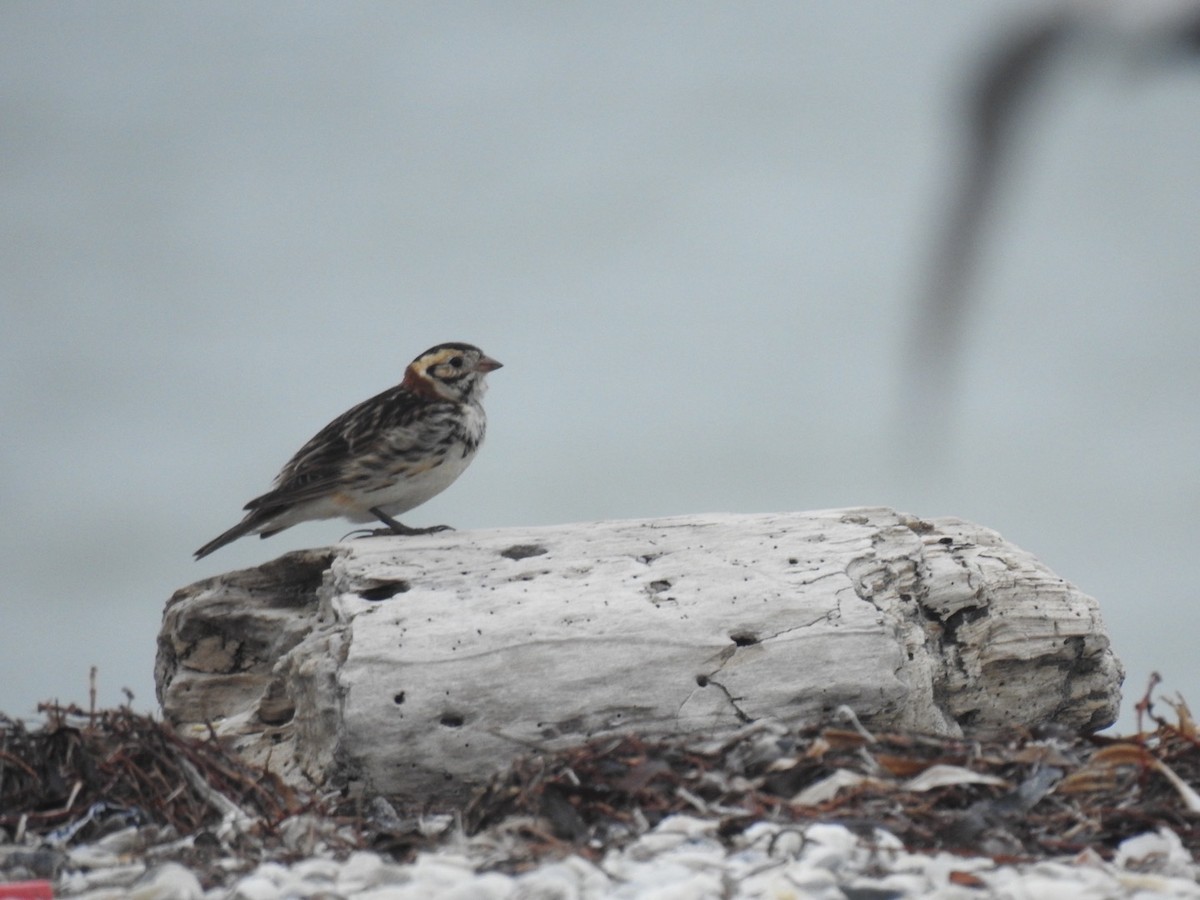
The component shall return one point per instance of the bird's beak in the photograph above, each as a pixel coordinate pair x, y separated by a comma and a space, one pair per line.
487, 364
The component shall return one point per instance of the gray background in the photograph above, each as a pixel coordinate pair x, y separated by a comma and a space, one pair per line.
693, 232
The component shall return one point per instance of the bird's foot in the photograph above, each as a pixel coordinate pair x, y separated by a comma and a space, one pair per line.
367, 532
432, 529
395, 527
391, 532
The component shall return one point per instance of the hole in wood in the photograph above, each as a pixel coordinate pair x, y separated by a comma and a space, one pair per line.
523, 551
385, 591
399, 698
452, 720
702, 680
743, 640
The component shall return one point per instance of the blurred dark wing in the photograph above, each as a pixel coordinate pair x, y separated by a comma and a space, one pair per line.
1003, 86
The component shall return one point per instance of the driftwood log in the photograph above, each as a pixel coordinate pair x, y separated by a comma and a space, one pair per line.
415, 666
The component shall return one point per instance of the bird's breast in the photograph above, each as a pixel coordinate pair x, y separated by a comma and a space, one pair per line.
473, 426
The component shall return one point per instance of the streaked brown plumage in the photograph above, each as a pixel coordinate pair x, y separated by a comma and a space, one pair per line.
385, 456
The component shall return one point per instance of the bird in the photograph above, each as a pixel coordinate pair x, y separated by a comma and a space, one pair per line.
385, 456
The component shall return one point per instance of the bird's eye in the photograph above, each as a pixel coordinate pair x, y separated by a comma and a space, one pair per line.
457, 362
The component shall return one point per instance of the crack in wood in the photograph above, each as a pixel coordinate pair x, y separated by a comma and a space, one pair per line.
737, 710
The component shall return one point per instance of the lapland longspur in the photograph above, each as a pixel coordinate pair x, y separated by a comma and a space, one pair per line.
385, 456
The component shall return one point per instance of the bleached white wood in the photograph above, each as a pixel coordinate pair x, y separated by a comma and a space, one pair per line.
417, 665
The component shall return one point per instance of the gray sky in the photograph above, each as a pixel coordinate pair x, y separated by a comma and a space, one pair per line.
693, 233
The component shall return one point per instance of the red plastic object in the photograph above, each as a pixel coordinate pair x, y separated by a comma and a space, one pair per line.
26, 890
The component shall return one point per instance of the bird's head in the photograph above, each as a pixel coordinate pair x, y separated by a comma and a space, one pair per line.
451, 371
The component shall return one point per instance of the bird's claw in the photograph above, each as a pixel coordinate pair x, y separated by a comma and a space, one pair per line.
404, 530
408, 531
366, 532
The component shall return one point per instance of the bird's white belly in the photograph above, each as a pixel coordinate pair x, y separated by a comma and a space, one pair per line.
409, 493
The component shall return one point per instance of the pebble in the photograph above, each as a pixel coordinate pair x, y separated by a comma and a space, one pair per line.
680, 859
167, 880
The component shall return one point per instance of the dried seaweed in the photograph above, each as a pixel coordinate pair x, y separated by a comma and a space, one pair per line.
52, 775
1024, 795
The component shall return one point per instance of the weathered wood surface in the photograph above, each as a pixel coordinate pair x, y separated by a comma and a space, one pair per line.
415, 666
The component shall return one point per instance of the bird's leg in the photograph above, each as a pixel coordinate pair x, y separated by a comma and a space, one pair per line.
395, 527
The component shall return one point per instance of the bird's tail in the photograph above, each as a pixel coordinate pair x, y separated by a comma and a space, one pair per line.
254, 521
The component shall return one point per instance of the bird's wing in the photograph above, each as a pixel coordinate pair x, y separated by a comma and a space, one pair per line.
390, 424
